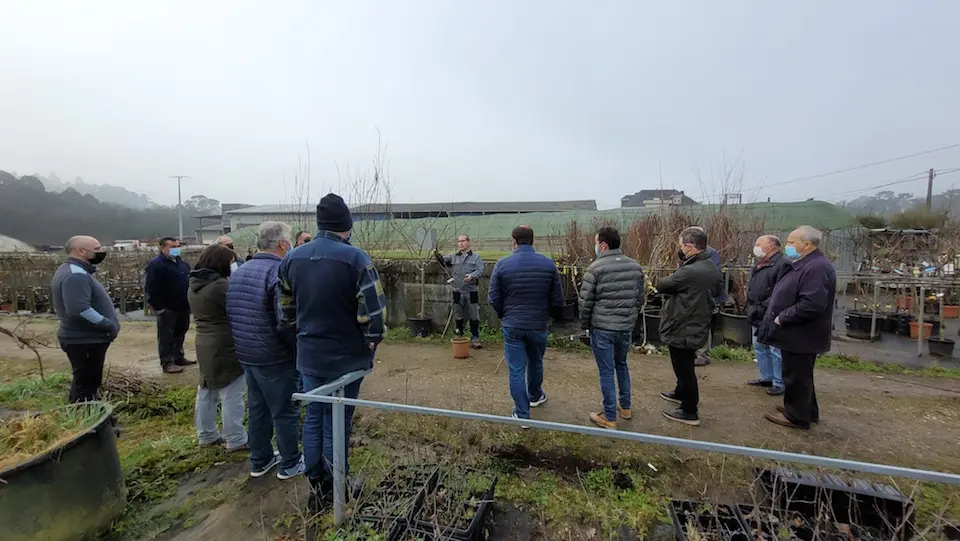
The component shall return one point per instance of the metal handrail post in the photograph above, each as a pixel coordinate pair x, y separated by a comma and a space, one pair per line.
339, 457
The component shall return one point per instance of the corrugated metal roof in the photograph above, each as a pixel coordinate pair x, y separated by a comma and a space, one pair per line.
459, 206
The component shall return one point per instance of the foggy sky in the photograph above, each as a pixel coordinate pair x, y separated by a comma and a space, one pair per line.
491, 100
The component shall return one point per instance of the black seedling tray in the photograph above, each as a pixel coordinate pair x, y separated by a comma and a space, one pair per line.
481, 507
406, 485
831, 499
716, 522
765, 524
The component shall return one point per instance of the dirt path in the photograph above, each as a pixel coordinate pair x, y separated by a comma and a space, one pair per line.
901, 420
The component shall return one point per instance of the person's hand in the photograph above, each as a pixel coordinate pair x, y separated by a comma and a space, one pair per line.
466, 279
776, 321
158, 312
372, 346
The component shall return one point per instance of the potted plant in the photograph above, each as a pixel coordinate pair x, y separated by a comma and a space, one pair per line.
694, 521
940, 347
951, 307
732, 325
60, 473
422, 247
398, 495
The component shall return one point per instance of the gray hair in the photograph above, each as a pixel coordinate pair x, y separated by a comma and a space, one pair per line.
269, 235
695, 236
809, 234
773, 240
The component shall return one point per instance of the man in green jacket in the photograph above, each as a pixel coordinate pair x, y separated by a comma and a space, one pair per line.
610, 299
685, 321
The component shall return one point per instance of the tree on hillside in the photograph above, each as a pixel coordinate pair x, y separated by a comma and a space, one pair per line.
201, 204
887, 203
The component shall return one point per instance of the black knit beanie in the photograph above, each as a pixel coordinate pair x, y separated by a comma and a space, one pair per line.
333, 214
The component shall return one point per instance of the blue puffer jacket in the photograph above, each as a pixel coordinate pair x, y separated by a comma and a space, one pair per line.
524, 288
254, 313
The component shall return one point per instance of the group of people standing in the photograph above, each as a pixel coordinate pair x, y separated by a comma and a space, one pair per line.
296, 314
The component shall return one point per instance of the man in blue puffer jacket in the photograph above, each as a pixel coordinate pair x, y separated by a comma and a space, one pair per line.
525, 288
268, 357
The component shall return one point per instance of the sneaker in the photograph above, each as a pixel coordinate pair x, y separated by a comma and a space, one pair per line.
776, 391
539, 401
681, 416
515, 416
602, 421
671, 397
237, 449
701, 360
260, 472
290, 473
625, 413
218, 441
475, 343
184, 362
172, 369
760, 383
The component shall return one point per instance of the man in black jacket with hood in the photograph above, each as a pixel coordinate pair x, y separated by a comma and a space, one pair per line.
763, 277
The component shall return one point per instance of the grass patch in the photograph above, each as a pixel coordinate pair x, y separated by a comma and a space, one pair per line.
30, 434
843, 362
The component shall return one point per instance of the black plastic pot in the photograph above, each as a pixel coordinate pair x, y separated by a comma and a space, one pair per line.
71, 491
420, 326
858, 325
650, 319
898, 323
569, 311
479, 508
407, 486
767, 523
723, 521
735, 329
940, 349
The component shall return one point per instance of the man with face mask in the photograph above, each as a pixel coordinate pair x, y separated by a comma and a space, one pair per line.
226, 241
763, 277
168, 278
685, 320
799, 321
269, 358
88, 322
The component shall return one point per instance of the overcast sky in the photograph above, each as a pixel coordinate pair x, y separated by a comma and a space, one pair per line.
483, 100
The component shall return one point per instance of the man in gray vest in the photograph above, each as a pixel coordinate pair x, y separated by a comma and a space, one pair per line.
610, 299
467, 269
88, 322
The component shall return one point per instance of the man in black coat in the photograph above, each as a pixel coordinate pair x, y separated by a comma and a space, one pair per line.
685, 320
763, 277
799, 321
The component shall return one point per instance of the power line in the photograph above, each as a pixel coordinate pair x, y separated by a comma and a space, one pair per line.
912, 178
864, 166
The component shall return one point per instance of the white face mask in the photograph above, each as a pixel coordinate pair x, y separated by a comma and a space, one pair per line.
234, 266
758, 251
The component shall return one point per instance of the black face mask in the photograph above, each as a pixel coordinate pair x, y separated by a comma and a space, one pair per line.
98, 258
680, 255
230, 246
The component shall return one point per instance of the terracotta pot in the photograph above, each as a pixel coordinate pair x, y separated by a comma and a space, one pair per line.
904, 302
6, 308
915, 329
461, 347
951, 311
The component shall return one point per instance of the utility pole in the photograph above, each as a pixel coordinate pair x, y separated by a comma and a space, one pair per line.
180, 203
930, 175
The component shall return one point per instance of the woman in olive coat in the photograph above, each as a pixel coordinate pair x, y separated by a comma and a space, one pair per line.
221, 375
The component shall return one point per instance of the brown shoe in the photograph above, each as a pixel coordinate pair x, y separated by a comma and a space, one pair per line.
779, 419
625, 413
172, 369
781, 410
602, 421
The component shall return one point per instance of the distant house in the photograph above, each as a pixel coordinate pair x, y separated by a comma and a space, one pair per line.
656, 198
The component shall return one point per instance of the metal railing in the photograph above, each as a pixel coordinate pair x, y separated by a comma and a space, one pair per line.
332, 393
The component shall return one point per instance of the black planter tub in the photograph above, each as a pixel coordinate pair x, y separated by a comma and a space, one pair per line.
858, 325
734, 329
420, 326
569, 312
650, 321
940, 349
72, 490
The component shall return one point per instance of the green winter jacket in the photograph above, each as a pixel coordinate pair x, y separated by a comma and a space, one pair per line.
207, 296
689, 304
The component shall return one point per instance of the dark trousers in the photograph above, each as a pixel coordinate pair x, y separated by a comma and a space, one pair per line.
683, 367
171, 328
87, 363
270, 408
800, 396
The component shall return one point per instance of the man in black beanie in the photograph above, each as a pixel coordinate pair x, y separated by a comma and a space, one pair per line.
334, 309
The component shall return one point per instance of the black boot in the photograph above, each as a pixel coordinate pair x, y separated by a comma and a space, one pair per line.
458, 327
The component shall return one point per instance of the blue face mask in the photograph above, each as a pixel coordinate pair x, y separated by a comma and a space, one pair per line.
174, 252
596, 249
791, 252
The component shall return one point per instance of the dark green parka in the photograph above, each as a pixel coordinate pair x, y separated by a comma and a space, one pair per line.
689, 304
207, 296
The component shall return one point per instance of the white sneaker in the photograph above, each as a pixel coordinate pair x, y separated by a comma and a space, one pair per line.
515, 416
290, 473
537, 402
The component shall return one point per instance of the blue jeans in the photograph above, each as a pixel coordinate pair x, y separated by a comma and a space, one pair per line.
769, 361
270, 407
523, 351
610, 349
318, 431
